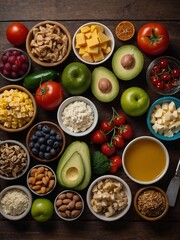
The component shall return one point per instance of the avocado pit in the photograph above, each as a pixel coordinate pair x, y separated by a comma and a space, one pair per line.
105, 85
128, 61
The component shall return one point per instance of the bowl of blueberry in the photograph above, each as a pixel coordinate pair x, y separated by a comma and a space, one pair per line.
15, 64
45, 141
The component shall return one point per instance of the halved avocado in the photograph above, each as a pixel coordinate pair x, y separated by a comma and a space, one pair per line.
83, 150
73, 171
127, 62
104, 84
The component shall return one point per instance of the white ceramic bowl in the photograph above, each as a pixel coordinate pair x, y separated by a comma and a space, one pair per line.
62, 124
108, 33
59, 214
10, 143
144, 166
119, 214
18, 188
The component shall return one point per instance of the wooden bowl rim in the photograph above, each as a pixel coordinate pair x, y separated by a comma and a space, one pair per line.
29, 38
54, 126
8, 87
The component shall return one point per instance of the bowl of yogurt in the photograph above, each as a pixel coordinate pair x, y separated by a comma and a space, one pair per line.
77, 116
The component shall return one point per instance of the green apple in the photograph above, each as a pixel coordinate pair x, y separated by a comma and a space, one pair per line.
135, 101
42, 209
76, 78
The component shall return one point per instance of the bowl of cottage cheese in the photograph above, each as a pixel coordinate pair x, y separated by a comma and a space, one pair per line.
77, 116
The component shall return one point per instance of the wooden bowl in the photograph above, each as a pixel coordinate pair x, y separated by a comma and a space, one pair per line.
42, 61
57, 129
152, 208
19, 88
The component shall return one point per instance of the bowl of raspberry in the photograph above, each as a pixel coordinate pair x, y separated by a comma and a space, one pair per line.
15, 64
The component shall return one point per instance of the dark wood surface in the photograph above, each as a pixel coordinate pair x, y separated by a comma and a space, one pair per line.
73, 14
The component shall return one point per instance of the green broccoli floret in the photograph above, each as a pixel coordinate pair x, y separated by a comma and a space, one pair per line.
100, 163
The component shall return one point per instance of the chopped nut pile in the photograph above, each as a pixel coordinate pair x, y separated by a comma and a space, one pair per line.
108, 197
151, 203
13, 160
49, 43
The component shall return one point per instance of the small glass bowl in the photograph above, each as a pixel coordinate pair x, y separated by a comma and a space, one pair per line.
173, 64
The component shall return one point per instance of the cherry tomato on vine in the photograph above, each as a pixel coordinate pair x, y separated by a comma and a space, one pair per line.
176, 72
49, 95
126, 131
16, 33
116, 162
108, 149
119, 119
98, 137
153, 38
118, 141
106, 126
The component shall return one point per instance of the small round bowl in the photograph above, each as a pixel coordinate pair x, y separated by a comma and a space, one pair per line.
69, 205
5, 125
22, 204
41, 180
111, 44
174, 64
145, 160
37, 141
151, 120
105, 184
151, 203
53, 57
18, 155
21, 70
74, 128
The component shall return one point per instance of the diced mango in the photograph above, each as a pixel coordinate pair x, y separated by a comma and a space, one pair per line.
80, 39
107, 50
87, 57
92, 42
85, 29
92, 49
102, 37
98, 57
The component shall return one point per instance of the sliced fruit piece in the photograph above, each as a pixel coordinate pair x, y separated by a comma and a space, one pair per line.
73, 171
83, 150
104, 84
127, 62
125, 30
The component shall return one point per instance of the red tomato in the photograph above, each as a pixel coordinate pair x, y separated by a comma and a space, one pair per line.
16, 33
118, 141
108, 149
126, 131
49, 95
119, 119
98, 137
106, 126
153, 38
116, 162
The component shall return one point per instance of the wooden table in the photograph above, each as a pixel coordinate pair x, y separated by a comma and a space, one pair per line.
73, 14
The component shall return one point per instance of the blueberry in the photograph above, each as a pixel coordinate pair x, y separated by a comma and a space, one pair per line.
53, 152
48, 149
47, 156
41, 140
31, 144
52, 132
42, 147
35, 151
46, 137
50, 142
37, 146
53, 138
46, 129
38, 133
41, 154
56, 144
58, 137
34, 138
39, 127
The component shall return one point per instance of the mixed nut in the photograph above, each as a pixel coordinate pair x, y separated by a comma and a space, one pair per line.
13, 160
